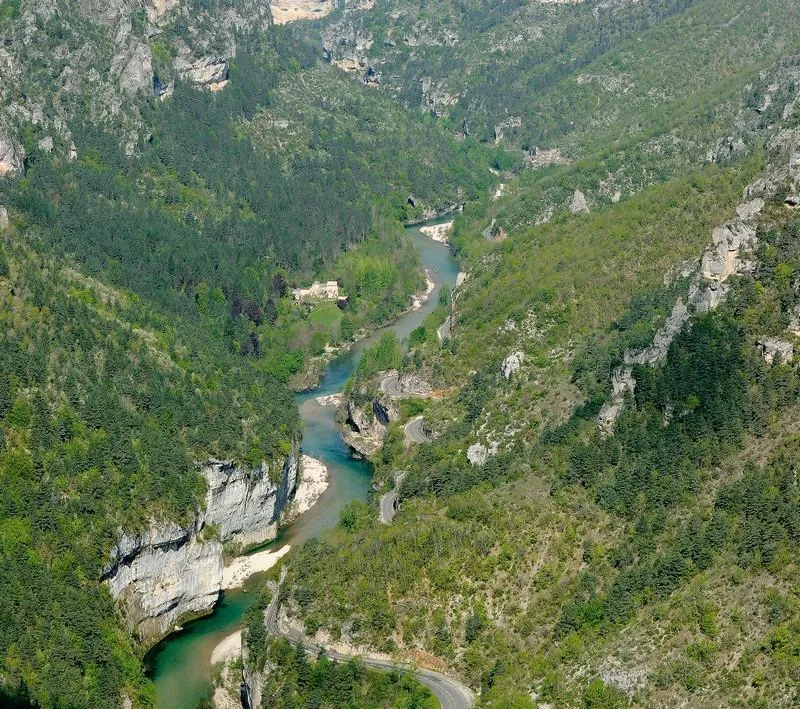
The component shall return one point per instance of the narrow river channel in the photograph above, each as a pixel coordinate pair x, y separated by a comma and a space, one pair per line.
180, 665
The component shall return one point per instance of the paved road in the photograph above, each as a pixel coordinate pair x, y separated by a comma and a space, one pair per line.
388, 506
450, 693
410, 387
389, 502
415, 431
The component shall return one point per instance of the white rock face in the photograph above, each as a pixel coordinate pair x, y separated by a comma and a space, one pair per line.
444, 331
157, 9
208, 71
478, 454
662, 339
137, 72
773, 348
3, 217
346, 43
12, 157
579, 205
247, 504
724, 257
283, 12
163, 574
622, 384
368, 425
169, 571
747, 210
511, 364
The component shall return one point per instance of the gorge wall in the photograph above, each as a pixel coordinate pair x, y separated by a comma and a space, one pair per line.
170, 572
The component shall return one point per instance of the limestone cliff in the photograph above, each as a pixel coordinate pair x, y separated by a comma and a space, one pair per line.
162, 575
246, 505
170, 571
367, 424
731, 252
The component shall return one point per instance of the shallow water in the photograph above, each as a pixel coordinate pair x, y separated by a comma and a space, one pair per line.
180, 665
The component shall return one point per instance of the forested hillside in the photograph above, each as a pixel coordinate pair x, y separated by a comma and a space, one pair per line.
651, 566
631, 93
105, 408
540, 556
146, 274
605, 511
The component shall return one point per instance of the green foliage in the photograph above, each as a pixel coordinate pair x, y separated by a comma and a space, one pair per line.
100, 432
383, 355
295, 681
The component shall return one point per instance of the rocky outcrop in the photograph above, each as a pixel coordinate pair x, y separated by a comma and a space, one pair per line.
345, 44
506, 125
368, 424
370, 414
512, 364
579, 205
253, 681
246, 505
478, 453
727, 255
723, 258
211, 72
162, 575
774, 349
157, 10
173, 571
285, 11
622, 385
444, 331
136, 73
12, 157
3, 217
727, 150
436, 98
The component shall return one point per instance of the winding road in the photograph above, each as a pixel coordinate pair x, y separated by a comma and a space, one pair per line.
389, 502
406, 387
415, 431
388, 506
450, 693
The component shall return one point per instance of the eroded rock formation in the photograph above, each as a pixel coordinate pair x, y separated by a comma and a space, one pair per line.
170, 571
369, 414
12, 157
727, 255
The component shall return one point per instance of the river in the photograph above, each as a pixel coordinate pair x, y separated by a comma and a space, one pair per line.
180, 665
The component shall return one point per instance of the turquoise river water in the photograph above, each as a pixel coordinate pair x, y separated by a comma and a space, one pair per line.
180, 665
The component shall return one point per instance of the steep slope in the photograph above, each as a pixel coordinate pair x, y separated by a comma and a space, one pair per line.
634, 92
151, 234
549, 561
570, 566
105, 415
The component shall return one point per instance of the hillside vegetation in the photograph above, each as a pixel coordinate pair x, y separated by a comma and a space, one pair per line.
539, 559
146, 275
172, 170
104, 409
